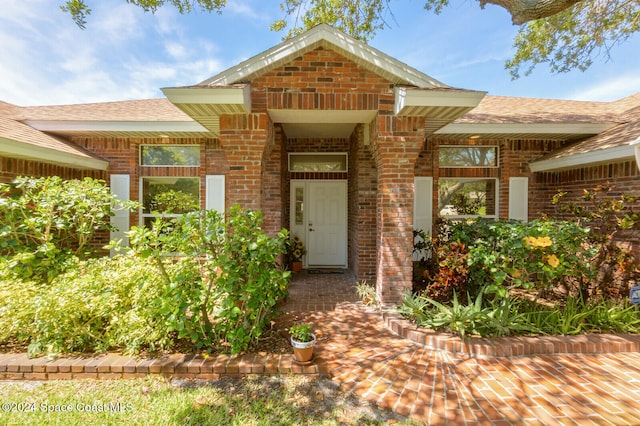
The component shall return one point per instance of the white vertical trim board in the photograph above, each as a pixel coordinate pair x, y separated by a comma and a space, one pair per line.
422, 204
519, 198
215, 193
120, 186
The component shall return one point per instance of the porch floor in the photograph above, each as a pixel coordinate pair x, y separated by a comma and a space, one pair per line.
358, 350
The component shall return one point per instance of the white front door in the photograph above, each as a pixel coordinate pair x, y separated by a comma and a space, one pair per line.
324, 220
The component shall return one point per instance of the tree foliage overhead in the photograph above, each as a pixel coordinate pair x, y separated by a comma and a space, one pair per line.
565, 34
571, 38
79, 9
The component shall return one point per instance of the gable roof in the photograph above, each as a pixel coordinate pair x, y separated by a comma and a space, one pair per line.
229, 91
325, 36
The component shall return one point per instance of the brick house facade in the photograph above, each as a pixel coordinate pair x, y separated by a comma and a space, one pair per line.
343, 145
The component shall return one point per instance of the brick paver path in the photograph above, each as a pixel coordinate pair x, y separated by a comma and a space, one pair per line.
440, 387
357, 349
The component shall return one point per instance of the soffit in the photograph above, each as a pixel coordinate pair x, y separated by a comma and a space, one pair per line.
302, 124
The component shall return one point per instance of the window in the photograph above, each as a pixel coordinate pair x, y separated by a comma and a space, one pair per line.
468, 156
467, 197
170, 155
168, 197
318, 162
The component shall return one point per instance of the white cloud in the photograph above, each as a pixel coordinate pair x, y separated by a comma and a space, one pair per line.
176, 50
609, 88
243, 9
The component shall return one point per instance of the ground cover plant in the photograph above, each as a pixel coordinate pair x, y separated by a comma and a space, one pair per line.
200, 281
547, 276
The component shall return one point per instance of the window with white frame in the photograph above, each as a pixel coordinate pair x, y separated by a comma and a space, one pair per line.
170, 155
460, 198
468, 156
318, 162
168, 197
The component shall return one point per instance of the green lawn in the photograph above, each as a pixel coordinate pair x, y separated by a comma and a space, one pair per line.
291, 400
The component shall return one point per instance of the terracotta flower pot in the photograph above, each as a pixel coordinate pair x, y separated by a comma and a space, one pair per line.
303, 351
296, 266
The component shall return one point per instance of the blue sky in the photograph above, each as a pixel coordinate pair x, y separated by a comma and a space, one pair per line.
126, 53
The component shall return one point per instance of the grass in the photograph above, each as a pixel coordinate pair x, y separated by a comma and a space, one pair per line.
273, 400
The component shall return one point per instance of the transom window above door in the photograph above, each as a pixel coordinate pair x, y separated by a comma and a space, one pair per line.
318, 162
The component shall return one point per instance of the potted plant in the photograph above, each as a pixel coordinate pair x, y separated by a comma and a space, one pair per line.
302, 340
295, 251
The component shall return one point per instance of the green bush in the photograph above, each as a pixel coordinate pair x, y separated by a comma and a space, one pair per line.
534, 254
47, 222
101, 304
242, 280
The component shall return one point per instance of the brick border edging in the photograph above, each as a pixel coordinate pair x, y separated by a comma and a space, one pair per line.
506, 347
18, 366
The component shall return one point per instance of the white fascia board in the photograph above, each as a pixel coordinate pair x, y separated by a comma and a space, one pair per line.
408, 97
320, 35
116, 126
12, 148
584, 159
239, 95
520, 128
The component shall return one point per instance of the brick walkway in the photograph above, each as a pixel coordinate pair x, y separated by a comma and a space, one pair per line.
441, 380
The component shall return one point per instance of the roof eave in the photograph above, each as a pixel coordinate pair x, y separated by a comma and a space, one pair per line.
77, 126
439, 106
584, 159
528, 129
206, 104
17, 149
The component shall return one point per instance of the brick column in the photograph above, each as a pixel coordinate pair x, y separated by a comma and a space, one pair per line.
395, 150
244, 138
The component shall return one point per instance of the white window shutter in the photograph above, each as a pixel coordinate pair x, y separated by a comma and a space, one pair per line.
215, 193
422, 205
120, 187
519, 198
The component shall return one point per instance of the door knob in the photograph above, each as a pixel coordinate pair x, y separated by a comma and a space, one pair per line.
311, 229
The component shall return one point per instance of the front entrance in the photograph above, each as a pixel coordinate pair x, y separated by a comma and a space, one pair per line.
319, 217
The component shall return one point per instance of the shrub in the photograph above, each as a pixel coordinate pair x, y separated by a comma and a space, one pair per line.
242, 280
99, 305
538, 254
46, 222
608, 215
